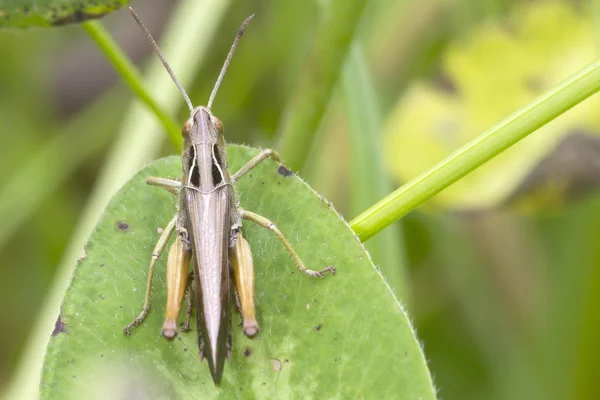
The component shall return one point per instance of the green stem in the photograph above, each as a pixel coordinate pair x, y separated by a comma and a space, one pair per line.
130, 74
492, 142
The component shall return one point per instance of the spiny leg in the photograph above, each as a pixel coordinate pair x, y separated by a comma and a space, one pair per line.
167, 184
265, 223
260, 157
158, 249
188, 300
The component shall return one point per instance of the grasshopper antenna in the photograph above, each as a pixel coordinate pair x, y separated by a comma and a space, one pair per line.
228, 60
162, 58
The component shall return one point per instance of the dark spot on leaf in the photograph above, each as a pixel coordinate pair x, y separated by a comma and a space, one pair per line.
247, 352
185, 349
101, 265
26, 9
318, 328
250, 175
123, 226
59, 327
284, 171
101, 297
262, 183
101, 355
287, 361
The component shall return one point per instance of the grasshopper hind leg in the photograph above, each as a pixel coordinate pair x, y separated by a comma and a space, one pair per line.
158, 249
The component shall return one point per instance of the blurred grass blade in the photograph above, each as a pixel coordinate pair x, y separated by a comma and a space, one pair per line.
369, 179
138, 141
562, 97
301, 120
132, 77
49, 166
27, 13
475, 289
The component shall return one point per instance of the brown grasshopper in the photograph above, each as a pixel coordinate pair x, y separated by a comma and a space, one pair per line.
208, 223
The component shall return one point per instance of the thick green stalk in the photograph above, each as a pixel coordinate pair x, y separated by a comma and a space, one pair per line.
492, 142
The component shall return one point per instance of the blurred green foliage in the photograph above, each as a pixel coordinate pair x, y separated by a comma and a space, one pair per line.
504, 303
516, 59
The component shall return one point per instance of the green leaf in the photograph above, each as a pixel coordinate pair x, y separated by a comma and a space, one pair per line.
340, 336
26, 13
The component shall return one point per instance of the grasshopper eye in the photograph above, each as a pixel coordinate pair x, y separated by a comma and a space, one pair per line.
187, 127
217, 123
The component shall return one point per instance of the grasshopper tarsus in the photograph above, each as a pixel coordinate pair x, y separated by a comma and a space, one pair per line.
329, 269
318, 274
136, 322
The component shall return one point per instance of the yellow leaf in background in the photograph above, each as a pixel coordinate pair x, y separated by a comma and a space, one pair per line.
494, 70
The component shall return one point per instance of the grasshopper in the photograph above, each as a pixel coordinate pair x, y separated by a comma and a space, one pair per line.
208, 224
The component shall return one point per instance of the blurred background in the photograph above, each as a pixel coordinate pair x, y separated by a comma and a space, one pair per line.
500, 273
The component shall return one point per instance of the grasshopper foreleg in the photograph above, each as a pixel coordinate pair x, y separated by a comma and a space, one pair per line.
167, 184
158, 249
267, 224
260, 157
